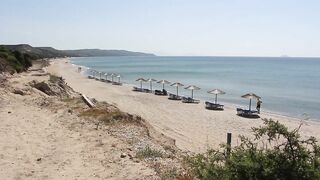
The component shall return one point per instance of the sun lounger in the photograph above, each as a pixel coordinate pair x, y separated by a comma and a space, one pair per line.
90, 77
162, 92
213, 106
174, 97
190, 100
117, 83
247, 113
140, 89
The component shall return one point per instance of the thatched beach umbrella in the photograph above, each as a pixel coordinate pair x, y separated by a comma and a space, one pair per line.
106, 74
151, 80
141, 80
112, 75
216, 92
163, 82
251, 96
177, 84
119, 76
192, 87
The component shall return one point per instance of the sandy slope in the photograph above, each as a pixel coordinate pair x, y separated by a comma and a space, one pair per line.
39, 143
192, 126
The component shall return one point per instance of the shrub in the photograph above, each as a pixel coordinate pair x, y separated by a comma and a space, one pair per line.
283, 156
147, 152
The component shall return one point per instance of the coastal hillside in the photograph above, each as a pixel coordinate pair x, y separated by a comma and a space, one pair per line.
100, 52
18, 58
49, 52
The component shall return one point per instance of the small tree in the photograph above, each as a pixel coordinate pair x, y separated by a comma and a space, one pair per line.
274, 153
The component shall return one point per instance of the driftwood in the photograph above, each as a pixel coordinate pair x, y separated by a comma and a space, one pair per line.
87, 101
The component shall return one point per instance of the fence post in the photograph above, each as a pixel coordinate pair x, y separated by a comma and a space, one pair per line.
228, 143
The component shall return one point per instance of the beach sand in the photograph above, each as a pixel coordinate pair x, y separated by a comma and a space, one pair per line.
192, 126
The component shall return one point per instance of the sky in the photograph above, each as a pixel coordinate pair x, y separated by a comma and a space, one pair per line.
167, 27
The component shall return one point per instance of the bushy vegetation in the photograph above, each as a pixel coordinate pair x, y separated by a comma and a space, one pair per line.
274, 153
14, 61
147, 152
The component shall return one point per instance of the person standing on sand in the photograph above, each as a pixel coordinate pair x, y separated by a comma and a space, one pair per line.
259, 105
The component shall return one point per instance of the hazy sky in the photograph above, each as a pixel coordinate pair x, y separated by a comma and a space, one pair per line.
167, 27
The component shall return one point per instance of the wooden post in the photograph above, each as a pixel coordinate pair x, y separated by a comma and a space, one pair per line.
228, 143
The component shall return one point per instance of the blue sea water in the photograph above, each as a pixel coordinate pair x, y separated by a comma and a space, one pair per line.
289, 86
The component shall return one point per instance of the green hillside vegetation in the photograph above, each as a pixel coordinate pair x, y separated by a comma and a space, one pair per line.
14, 61
49, 52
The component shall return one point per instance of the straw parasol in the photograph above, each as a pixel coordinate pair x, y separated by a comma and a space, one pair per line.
163, 82
251, 96
112, 75
177, 84
119, 76
106, 74
151, 80
192, 87
216, 92
141, 80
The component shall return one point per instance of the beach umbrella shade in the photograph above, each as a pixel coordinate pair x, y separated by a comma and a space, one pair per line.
216, 92
163, 82
251, 96
112, 75
141, 80
119, 76
151, 80
106, 74
192, 88
177, 84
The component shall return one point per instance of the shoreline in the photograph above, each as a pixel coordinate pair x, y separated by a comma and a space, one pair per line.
227, 104
192, 126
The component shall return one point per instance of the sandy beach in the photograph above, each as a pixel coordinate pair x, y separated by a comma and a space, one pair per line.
192, 126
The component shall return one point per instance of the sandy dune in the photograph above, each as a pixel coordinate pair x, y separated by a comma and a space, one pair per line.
192, 126
41, 143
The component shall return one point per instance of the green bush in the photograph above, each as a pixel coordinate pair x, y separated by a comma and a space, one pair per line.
17, 61
274, 153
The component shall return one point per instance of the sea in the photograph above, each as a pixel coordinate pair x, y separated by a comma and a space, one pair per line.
287, 86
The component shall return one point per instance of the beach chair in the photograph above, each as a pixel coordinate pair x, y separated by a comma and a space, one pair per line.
90, 77
117, 83
214, 106
247, 113
137, 89
140, 89
162, 92
190, 100
174, 97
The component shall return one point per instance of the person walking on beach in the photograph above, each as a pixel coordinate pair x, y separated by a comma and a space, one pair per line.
259, 105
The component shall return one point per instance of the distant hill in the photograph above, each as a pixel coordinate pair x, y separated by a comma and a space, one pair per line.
40, 52
99, 52
49, 52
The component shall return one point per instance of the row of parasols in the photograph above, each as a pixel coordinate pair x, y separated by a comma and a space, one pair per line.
216, 92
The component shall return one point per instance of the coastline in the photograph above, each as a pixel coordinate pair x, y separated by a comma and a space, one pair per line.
192, 126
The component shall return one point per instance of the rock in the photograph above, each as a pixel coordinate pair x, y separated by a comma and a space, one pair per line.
9, 112
123, 155
18, 91
130, 156
39, 159
70, 111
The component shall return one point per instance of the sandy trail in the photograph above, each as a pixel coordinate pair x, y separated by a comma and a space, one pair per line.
192, 126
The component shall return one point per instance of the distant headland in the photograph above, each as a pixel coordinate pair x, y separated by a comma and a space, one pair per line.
50, 52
